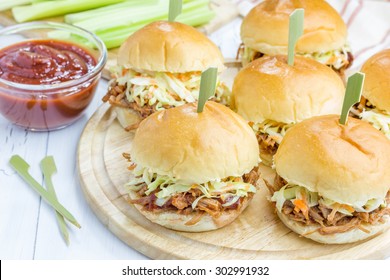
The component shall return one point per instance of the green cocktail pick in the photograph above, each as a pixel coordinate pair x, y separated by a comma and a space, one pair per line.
208, 84
21, 167
295, 30
49, 168
175, 8
352, 96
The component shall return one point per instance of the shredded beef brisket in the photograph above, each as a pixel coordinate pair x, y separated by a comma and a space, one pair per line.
252, 177
330, 220
182, 202
358, 108
267, 145
279, 182
116, 96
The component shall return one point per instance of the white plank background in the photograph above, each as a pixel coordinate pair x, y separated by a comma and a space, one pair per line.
28, 229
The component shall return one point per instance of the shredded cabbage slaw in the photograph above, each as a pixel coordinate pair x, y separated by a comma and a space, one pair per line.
276, 130
335, 58
229, 189
294, 192
164, 89
380, 120
248, 55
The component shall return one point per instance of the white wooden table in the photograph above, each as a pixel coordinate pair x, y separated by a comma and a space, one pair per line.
28, 228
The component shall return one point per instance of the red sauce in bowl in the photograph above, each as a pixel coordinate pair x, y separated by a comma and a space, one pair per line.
51, 64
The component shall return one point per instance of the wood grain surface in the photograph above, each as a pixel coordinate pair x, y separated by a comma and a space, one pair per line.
225, 11
256, 234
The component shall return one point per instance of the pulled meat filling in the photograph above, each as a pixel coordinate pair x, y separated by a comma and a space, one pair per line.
330, 220
182, 202
269, 135
267, 144
116, 96
358, 108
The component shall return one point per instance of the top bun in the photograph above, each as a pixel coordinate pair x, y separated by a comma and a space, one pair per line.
265, 28
346, 163
196, 147
269, 88
377, 81
169, 47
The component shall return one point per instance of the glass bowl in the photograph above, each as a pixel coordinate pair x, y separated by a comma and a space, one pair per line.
48, 73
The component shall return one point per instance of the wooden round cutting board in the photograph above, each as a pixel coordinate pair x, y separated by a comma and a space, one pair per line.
256, 234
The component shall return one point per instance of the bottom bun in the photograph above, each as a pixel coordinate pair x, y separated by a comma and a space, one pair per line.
173, 220
127, 117
266, 157
350, 236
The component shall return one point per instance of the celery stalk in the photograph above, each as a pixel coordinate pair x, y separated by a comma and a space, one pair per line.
8, 4
113, 41
97, 13
56, 8
140, 14
122, 18
196, 19
115, 37
112, 20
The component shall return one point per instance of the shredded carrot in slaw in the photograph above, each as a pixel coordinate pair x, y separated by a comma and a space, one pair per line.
300, 205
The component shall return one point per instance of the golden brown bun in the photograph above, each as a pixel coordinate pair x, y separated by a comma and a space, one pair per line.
126, 116
377, 81
265, 28
169, 47
268, 88
176, 221
349, 164
196, 147
350, 236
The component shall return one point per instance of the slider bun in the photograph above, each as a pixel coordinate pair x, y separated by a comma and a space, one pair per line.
126, 116
169, 47
196, 147
377, 81
173, 220
268, 88
265, 28
350, 236
346, 163
266, 157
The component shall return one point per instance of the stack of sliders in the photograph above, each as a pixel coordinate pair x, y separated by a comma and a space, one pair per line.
333, 180
264, 31
193, 171
159, 67
374, 106
273, 96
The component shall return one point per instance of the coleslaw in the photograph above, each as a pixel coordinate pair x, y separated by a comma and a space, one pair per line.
164, 89
335, 58
379, 119
276, 130
294, 192
229, 190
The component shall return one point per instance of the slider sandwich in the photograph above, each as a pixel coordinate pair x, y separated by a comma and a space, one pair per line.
273, 96
333, 181
159, 67
374, 106
193, 171
264, 31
